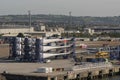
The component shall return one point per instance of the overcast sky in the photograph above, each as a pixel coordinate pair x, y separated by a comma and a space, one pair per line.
77, 7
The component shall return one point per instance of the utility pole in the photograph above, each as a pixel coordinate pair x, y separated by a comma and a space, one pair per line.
69, 23
29, 14
70, 19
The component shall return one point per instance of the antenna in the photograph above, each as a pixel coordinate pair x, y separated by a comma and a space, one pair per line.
29, 14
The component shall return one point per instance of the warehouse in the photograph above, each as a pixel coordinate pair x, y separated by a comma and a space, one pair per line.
15, 29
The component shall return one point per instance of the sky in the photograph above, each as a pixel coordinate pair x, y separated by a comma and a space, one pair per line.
61, 7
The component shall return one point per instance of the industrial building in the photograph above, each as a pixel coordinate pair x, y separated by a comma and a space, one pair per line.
15, 29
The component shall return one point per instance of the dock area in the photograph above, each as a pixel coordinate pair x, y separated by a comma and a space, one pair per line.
11, 70
61, 71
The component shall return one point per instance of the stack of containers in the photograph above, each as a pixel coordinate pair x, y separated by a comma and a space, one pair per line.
65, 50
115, 53
29, 49
73, 47
33, 48
112, 53
119, 51
16, 47
13, 49
26, 49
22, 50
39, 50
